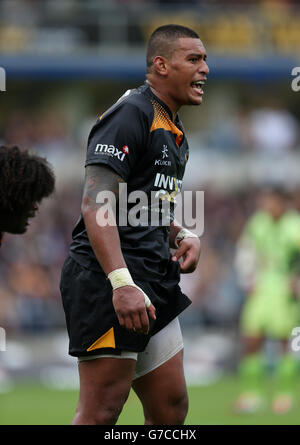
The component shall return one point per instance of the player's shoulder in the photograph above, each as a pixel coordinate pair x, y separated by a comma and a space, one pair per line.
291, 226
291, 220
292, 215
131, 113
257, 224
132, 103
259, 217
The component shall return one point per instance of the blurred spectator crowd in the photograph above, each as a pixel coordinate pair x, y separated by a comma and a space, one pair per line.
64, 27
270, 130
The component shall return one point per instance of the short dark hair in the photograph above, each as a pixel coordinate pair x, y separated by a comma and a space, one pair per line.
276, 190
161, 41
25, 179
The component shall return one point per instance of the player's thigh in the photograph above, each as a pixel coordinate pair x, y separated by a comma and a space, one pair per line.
163, 391
104, 383
282, 319
254, 317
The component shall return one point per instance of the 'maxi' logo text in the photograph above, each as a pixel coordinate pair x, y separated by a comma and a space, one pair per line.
111, 150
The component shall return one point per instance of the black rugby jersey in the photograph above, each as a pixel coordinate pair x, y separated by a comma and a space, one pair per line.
138, 140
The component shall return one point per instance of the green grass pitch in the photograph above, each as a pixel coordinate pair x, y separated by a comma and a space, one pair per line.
33, 404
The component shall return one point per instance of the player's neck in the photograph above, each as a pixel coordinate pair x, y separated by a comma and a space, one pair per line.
277, 217
174, 108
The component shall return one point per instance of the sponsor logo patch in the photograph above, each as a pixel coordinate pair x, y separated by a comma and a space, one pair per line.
164, 155
167, 182
112, 151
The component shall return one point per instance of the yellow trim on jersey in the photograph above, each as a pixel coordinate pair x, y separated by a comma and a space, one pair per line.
161, 120
106, 340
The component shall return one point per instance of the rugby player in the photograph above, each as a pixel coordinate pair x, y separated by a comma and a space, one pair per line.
25, 179
268, 262
119, 283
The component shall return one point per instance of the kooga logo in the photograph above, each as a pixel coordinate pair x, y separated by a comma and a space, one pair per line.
110, 150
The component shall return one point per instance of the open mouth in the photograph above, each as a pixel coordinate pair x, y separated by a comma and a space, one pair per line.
198, 85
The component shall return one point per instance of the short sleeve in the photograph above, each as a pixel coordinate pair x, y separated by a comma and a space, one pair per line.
118, 139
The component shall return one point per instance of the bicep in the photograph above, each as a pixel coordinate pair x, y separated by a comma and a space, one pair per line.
99, 178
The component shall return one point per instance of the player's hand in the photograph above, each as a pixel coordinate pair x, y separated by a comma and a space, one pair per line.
129, 304
189, 250
250, 290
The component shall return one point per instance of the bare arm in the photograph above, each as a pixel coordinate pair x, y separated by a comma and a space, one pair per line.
105, 240
128, 301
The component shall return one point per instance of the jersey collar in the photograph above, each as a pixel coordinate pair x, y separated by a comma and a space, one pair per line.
150, 92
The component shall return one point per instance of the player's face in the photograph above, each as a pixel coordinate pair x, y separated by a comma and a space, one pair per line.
274, 204
17, 223
187, 72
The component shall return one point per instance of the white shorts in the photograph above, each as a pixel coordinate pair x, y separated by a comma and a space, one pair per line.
161, 347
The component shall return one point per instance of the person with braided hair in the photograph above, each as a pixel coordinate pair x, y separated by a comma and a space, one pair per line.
25, 179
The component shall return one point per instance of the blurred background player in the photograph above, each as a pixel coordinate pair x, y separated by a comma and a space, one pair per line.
267, 262
25, 179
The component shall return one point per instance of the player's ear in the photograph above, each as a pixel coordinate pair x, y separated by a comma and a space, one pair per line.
160, 65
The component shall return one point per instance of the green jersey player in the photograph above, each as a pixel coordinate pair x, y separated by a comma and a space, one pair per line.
267, 264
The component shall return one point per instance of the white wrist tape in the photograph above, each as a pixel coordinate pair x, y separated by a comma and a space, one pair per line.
121, 277
184, 233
